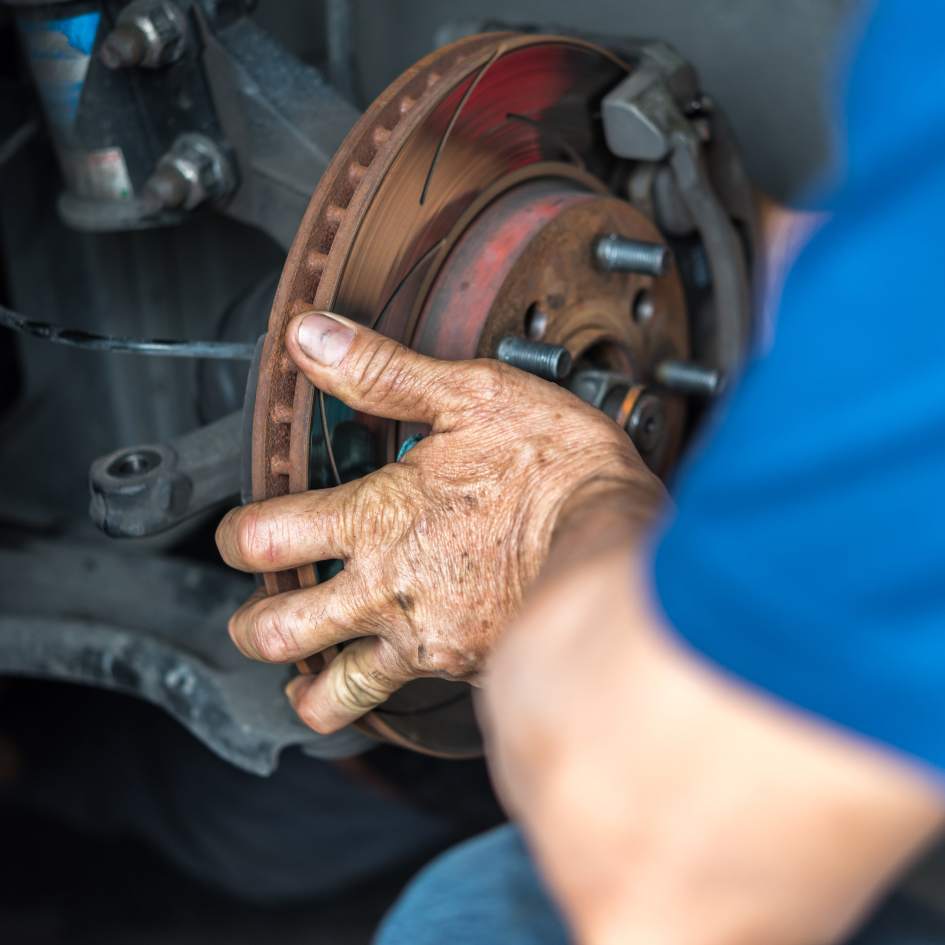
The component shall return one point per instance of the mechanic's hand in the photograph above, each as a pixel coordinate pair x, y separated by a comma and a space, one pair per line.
438, 548
668, 804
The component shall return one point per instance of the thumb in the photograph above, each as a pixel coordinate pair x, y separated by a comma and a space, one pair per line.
370, 372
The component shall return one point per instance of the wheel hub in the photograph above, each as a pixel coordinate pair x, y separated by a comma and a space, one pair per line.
525, 267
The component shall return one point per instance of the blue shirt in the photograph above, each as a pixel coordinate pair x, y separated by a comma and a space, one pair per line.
807, 551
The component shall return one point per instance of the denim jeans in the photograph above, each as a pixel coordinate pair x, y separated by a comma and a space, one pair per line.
486, 892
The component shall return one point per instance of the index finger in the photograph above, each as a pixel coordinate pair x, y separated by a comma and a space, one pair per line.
288, 531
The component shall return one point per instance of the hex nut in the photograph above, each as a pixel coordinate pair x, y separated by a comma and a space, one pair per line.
148, 34
194, 170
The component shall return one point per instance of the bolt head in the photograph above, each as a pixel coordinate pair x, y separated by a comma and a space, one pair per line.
162, 30
167, 187
646, 424
125, 46
195, 169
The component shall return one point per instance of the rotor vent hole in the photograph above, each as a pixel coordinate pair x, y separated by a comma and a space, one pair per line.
536, 322
135, 463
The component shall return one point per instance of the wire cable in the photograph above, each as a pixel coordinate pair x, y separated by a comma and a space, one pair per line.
156, 347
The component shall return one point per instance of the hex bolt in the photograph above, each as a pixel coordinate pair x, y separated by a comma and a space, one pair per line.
147, 34
194, 170
167, 187
125, 46
686, 377
552, 362
614, 253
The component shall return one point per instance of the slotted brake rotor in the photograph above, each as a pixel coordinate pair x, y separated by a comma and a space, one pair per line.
461, 208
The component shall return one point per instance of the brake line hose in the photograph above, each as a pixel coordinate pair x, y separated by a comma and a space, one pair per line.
158, 347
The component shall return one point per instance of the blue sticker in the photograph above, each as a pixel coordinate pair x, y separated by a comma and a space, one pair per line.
59, 53
78, 36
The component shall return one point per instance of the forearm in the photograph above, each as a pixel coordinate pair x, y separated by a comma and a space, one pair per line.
604, 516
665, 802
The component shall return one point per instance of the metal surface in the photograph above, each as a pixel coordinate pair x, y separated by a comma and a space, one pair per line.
147, 489
78, 404
687, 378
282, 119
230, 110
342, 70
148, 34
616, 254
110, 127
457, 132
646, 425
644, 119
194, 170
772, 65
525, 264
552, 362
154, 628
645, 414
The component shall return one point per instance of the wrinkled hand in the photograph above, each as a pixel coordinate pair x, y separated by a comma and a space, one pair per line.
438, 548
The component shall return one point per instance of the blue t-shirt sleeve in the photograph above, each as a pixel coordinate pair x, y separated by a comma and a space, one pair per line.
807, 550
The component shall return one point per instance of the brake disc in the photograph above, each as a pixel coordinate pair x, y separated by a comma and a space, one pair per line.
462, 208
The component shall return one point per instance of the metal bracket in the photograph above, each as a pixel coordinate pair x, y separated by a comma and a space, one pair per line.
644, 120
281, 118
145, 490
169, 645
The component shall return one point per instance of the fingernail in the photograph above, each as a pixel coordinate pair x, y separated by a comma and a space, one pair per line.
323, 339
297, 687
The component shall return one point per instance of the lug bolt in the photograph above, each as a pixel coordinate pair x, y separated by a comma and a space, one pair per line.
552, 362
614, 253
685, 377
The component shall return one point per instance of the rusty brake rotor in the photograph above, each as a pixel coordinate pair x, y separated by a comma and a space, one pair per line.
462, 208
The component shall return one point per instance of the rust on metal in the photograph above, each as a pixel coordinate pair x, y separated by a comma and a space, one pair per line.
499, 127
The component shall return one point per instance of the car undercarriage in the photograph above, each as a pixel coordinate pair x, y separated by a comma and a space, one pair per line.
575, 192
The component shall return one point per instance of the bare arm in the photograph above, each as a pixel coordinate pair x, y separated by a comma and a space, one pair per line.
665, 802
